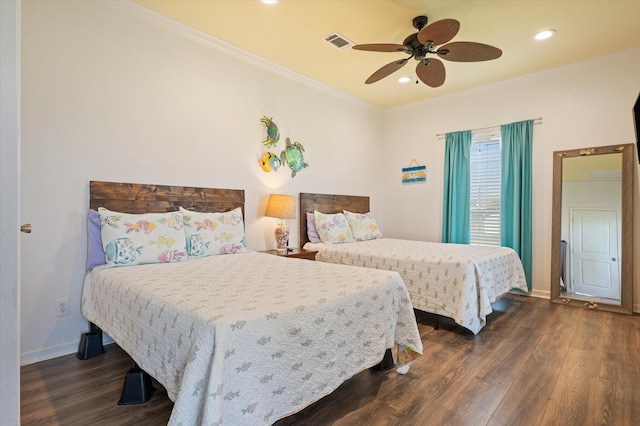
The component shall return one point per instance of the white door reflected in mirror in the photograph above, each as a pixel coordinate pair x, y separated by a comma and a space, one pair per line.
595, 266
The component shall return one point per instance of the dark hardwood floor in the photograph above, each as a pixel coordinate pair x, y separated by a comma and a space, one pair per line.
533, 364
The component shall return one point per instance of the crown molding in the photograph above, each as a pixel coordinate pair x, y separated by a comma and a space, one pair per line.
183, 30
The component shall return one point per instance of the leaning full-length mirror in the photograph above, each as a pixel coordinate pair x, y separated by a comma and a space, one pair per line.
592, 228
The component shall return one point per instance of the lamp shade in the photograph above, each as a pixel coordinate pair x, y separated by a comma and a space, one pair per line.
281, 206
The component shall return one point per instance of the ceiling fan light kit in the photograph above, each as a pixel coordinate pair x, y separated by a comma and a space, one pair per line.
418, 46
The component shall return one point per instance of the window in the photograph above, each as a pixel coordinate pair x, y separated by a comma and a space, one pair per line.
485, 190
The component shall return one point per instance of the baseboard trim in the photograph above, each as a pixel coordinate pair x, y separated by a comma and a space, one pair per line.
542, 294
56, 351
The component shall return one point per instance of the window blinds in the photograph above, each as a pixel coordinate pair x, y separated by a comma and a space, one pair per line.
485, 191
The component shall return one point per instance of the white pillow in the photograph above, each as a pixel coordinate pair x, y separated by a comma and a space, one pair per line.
214, 233
134, 239
333, 228
363, 226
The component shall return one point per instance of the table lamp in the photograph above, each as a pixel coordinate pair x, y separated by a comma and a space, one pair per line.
281, 207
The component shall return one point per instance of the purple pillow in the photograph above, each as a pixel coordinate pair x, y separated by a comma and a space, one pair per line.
312, 232
95, 252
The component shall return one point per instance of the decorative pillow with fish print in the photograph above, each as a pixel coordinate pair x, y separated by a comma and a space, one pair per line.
135, 239
333, 228
214, 233
363, 226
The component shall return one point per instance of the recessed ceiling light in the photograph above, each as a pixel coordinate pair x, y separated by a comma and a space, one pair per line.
404, 79
269, 1
543, 35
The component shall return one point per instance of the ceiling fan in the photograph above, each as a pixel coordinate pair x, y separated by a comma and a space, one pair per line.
431, 70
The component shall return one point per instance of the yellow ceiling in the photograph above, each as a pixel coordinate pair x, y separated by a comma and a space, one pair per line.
291, 34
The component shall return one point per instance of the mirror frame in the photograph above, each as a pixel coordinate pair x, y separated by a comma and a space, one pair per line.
626, 268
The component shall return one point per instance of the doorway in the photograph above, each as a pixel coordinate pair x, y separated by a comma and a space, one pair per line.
595, 262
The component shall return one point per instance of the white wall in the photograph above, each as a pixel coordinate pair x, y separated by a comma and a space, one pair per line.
110, 95
9, 212
582, 105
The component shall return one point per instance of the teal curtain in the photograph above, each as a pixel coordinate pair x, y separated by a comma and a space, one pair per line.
515, 211
456, 215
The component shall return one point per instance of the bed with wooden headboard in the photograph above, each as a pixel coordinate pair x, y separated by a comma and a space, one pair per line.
248, 337
451, 280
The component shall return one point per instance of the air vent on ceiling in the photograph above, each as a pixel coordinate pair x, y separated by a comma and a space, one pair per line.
339, 41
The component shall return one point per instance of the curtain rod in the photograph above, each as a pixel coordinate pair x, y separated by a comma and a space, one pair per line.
535, 121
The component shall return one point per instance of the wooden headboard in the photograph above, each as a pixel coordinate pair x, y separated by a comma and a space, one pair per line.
147, 198
328, 203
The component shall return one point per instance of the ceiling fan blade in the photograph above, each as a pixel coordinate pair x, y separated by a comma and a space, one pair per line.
468, 51
381, 47
432, 74
386, 70
439, 32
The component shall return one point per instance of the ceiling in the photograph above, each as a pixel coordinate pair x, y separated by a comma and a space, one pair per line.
291, 34
590, 168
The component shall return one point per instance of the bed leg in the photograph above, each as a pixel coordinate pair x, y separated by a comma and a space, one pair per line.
436, 323
386, 363
90, 343
137, 387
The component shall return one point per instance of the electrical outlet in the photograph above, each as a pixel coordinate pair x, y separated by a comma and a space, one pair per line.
62, 307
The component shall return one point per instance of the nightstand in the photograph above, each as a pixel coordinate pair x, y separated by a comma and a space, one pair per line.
297, 253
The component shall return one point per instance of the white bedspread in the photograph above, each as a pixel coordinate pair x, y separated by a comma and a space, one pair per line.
250, 338
454, 280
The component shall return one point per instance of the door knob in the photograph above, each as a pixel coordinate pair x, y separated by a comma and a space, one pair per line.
26, 228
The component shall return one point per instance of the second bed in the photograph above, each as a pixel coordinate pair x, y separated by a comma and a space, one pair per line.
458, 281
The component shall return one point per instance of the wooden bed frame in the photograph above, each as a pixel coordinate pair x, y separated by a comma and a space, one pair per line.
149, 198
329, 204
